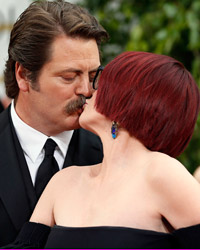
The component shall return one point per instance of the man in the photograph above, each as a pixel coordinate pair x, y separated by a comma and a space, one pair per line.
53, 59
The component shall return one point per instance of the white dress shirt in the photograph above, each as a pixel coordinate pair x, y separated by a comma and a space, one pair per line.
32, 143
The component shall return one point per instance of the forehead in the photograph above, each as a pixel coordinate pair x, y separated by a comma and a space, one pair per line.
68, 52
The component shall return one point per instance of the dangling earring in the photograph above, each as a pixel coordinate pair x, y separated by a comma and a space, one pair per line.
114, 129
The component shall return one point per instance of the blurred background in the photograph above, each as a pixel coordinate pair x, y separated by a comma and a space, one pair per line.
164, 27
9, 12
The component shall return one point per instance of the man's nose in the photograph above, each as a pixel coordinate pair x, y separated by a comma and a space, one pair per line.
85, 87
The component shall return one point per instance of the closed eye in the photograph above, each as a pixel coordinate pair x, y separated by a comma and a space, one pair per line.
69, 77
92, 76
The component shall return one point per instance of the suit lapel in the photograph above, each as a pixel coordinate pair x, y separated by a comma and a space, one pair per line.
12, 189
24, 170
85, 148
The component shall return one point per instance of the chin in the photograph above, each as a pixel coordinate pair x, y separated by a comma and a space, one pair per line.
81, 119
83, 123
72, 123
77, 125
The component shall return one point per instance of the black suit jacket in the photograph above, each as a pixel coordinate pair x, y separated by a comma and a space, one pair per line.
1, 107
17, 195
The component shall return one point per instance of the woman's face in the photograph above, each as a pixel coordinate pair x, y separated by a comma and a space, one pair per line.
89, 118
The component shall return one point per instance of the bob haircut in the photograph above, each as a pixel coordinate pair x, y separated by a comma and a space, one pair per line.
153, 97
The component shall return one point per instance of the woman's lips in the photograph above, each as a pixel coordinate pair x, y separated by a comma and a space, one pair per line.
80, 110
84, 105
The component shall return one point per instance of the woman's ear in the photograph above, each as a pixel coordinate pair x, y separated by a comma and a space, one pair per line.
21, 77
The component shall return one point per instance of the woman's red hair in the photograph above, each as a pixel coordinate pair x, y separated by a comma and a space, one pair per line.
153, 97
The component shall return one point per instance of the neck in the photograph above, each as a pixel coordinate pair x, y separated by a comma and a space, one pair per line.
120, 153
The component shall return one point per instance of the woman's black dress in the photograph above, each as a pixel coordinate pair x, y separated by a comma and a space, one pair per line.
35, 235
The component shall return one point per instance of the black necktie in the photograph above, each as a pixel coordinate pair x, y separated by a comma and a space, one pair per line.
47, 168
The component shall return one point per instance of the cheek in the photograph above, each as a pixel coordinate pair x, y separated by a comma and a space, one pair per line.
82, 121
85, 117
58, 98
91, 103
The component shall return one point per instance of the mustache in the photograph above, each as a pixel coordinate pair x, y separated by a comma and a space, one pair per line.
74, 105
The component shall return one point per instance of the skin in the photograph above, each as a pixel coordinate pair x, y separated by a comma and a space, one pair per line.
133, 187
66, 76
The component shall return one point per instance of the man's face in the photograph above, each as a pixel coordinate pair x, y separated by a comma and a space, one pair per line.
56, 105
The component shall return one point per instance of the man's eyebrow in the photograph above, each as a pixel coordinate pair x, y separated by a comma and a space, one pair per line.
76, 70
70, 70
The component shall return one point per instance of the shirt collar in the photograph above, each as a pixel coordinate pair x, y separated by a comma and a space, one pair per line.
32, 141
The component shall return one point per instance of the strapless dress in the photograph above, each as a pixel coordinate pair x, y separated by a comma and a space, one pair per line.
35, 235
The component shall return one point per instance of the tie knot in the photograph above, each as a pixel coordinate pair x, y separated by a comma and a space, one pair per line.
49, 147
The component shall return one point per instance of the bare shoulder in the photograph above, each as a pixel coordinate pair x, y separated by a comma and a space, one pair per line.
43, 212
61, 185
68, 175
163, 168
174, 188
167, 176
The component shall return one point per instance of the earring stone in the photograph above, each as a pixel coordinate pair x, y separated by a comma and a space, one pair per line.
114, 129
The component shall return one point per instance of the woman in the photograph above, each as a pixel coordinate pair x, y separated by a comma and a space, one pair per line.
140, 196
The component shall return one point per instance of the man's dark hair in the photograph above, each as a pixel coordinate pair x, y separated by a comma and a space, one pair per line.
36, 29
